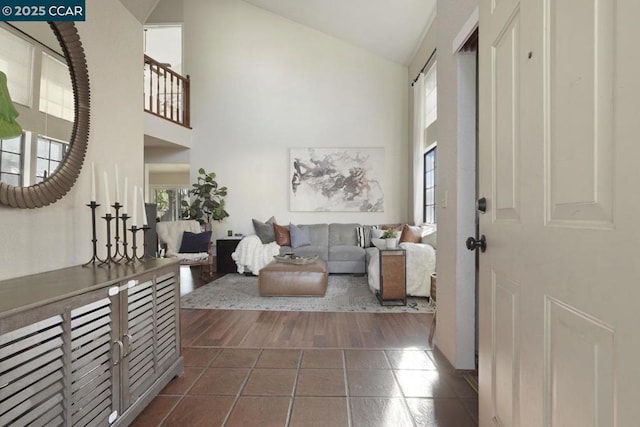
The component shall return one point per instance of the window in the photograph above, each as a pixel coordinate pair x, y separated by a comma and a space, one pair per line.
168, 201
429, 216
39, 82
16, 61
50, 155
431, 96
11, 160
56, 93
430, 138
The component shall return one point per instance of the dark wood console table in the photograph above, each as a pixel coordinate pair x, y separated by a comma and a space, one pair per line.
88, 345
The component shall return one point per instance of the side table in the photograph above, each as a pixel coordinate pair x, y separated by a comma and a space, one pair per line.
432, 293
393, 284
224, 249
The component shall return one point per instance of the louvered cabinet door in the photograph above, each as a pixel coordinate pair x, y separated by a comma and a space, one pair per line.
139, 369
96, 353
167, 315
32, 374
150, 331
57, 365
93, 349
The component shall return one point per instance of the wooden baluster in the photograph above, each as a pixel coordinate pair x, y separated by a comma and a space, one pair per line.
186, 102
177, 98
171, 98
158, 90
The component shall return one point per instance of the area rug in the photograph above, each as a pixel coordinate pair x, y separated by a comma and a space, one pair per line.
345, 293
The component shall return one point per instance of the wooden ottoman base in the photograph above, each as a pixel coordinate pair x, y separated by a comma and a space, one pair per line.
280, 279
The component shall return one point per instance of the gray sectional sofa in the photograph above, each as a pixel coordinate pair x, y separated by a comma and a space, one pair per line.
347, 248
337, 244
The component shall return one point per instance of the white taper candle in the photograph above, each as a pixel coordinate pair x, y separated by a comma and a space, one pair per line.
93, 182
126, 186
134, 218
144, 208
106, 194
117, 185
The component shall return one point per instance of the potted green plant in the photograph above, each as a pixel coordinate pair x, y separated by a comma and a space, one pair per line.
207, 203
390, 236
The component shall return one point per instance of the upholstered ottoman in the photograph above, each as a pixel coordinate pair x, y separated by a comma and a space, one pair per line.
281, 279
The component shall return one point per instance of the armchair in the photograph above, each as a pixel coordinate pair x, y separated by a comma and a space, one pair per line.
170, 238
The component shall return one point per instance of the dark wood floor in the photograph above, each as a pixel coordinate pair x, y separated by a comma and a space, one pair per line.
287, 329
253, 368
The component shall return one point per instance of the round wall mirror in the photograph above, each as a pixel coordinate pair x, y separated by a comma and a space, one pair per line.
55, 178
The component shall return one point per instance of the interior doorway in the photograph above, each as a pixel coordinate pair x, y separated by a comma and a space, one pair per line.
467, 57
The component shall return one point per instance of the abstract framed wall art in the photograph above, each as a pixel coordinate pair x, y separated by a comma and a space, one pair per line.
336, 179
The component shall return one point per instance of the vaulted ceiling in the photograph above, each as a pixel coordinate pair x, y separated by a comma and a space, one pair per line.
141, 9
392, 29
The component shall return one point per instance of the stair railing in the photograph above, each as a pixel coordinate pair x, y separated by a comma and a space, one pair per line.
166, 93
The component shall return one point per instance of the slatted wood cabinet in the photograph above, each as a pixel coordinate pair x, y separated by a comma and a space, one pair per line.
88, 346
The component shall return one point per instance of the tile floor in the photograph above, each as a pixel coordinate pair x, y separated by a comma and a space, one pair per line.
314, 387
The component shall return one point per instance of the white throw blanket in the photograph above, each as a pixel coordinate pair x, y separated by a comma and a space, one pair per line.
421, 262
251, 254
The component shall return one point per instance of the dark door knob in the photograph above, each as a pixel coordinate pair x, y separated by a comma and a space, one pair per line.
482, 204
473, 244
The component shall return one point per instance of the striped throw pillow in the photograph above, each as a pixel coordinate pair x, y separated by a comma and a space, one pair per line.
363, 234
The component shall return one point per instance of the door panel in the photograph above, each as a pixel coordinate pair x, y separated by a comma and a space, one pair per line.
579, 72
558, 288
506, 139
579, 371
505, 360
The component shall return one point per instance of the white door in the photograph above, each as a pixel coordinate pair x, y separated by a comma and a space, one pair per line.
559, 164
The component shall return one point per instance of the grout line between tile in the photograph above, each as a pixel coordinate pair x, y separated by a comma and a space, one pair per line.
295, 386
183, 395
173, 408
240, 390
346, 386
402, 395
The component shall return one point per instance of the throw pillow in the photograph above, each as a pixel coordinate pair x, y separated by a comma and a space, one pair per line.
193, 243
283, 237
376, 233
363, 235
411, 234
264, 230
299, 236
429, 235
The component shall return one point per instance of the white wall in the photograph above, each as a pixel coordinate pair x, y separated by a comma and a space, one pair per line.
59, 235
263, 84
156, 127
